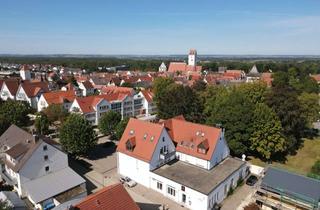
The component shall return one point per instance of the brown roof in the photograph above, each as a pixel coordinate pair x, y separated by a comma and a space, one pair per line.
146, 138
115, 89
17, 150
113, 197
13, 135
12, 85
87, 84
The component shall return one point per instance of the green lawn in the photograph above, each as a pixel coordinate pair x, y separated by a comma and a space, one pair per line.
302, 161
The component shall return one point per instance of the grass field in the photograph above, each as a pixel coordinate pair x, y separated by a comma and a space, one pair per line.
302, 161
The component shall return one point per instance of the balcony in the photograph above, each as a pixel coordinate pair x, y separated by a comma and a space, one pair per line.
166, 156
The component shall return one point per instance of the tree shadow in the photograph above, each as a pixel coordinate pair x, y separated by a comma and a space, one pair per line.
149, 206
82, 167
102, 151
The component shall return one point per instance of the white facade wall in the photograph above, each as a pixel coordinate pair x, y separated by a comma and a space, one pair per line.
164, 141
193, 160
22, 96
5, 93
101, 108
42, 103
192, 60
134, 168
194, 200
35, 166
221, 151
221, 192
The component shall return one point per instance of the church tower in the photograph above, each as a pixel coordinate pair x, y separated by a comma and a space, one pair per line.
192, 58
25, 73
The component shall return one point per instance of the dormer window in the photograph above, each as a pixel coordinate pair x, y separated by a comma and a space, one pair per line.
203, 147
131, 144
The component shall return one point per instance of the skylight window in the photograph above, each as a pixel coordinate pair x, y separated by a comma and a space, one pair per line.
131, 132
145, 136
152, 138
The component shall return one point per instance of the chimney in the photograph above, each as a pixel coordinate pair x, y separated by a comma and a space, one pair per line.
35, 138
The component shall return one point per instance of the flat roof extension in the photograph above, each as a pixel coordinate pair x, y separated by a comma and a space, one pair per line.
199, 179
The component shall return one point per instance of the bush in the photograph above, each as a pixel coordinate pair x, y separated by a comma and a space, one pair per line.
252, 206
316, 168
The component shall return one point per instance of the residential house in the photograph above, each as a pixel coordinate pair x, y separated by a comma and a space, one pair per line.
31, 92
86, 87
63, 98
38, 169
148, 103
9, 89
186, 162
113, 197
253, 74
282, 189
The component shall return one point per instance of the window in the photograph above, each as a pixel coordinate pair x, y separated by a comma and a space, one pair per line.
171, 191
145, 136
183, 188
47, 168
45, 148
163, 140
45, 157
159, 185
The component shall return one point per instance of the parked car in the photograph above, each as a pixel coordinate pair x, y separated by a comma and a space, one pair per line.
252, 180
128, 182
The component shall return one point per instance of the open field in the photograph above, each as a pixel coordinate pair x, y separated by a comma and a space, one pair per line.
302, 161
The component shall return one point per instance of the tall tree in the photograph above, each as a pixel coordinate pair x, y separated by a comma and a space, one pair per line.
310, 107
16, 112
284, 101
267, 138
108, 122
4, 124
234, 112
179, 100
255, 92
55, 112
42, 123
121, 126
77, 135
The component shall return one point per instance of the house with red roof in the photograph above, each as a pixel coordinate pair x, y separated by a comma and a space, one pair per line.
63, 98
113, 197
31, 92
149, 106
86, 88
9, 89
92, 107
187, 162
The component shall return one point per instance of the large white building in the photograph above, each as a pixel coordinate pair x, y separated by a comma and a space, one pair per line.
187, 162
38, 169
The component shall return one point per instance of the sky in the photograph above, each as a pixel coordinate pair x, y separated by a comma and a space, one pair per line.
160, 27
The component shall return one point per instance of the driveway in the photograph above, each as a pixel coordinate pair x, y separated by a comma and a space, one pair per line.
240, 198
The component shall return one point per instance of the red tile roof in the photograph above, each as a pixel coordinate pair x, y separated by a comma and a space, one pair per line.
316, 77
33, 88
87, 84
148, 95
113, 197
181, 66
146, 138
115, 89
59, 97
12, 85
188, 136
88, 103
